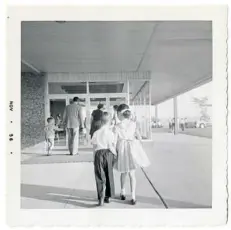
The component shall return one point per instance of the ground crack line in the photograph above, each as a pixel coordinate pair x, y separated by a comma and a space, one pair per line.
158, 194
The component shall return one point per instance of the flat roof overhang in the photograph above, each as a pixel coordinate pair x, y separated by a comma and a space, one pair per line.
177, 53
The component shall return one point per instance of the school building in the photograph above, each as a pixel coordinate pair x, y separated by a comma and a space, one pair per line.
138, 63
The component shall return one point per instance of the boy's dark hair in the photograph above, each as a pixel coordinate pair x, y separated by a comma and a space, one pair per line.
75, 99
127, 113
105, 118
49, 119
100, 106
115, 107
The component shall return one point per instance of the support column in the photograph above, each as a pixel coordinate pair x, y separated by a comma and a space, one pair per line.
108, 103
145, 119
176, 128
156, 112
139, 120
150, 109
128, 93
46, 99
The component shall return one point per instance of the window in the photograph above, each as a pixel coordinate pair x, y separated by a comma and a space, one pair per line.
108, 87
67, 88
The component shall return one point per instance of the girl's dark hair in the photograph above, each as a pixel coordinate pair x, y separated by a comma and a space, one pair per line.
126, 114
100, 106
49, 119
76, 99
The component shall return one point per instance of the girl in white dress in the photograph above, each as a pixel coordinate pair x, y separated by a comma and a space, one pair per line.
129, 149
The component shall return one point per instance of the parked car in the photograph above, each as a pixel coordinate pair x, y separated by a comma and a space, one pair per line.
203, 124
190, 123
197, 123
157, 124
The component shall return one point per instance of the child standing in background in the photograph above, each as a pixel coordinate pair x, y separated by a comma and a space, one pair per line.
50, 129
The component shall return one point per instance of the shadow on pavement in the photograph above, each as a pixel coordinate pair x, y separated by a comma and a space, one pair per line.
79, 197
61, 195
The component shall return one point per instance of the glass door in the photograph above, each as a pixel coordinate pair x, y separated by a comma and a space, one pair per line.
94, 101
116, 101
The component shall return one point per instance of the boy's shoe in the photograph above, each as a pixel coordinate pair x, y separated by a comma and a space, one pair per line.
107, 200
122, 197
133, 202
72, 154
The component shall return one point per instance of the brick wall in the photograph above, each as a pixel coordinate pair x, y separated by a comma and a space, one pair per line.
32, 109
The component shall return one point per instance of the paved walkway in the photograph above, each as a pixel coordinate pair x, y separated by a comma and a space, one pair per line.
181, 171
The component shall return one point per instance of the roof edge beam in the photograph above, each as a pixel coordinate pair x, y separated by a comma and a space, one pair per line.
30, 66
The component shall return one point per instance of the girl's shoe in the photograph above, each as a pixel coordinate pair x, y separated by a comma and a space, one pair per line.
101, 202
133, 202
122, 197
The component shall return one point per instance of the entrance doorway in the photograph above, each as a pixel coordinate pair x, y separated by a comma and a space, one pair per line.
135, 92
58, 102
57, 106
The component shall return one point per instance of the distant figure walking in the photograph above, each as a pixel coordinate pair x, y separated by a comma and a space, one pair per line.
182, 124
83, 135
170, 124
115, 119
173, 125
58, 122
96, 119
73, 121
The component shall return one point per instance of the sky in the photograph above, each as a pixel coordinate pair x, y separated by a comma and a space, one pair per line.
186, 107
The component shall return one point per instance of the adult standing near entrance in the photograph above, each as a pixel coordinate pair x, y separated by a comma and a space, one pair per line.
115, 119
83, 135
58, 122
96, 118
73, 121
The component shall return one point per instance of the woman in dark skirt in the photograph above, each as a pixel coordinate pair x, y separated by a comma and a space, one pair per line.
96, 119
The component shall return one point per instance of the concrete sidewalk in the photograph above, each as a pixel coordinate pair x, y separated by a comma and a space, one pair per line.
181, 171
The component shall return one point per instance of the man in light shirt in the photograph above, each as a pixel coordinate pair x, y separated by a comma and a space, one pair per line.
73, 120
104, 155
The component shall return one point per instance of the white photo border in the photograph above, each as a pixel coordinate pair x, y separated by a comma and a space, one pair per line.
115, 217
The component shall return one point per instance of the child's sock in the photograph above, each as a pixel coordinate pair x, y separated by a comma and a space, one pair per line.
123, 191
49, 152
133, 195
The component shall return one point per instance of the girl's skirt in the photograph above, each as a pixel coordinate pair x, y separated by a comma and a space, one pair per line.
131, 155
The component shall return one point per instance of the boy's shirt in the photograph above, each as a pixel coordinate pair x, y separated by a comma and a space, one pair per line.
104, 138
50, 131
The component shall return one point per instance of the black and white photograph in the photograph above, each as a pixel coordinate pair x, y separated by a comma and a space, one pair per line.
118, 114
148, 84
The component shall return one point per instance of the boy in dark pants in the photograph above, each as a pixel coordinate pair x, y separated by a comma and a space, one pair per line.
104, 156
